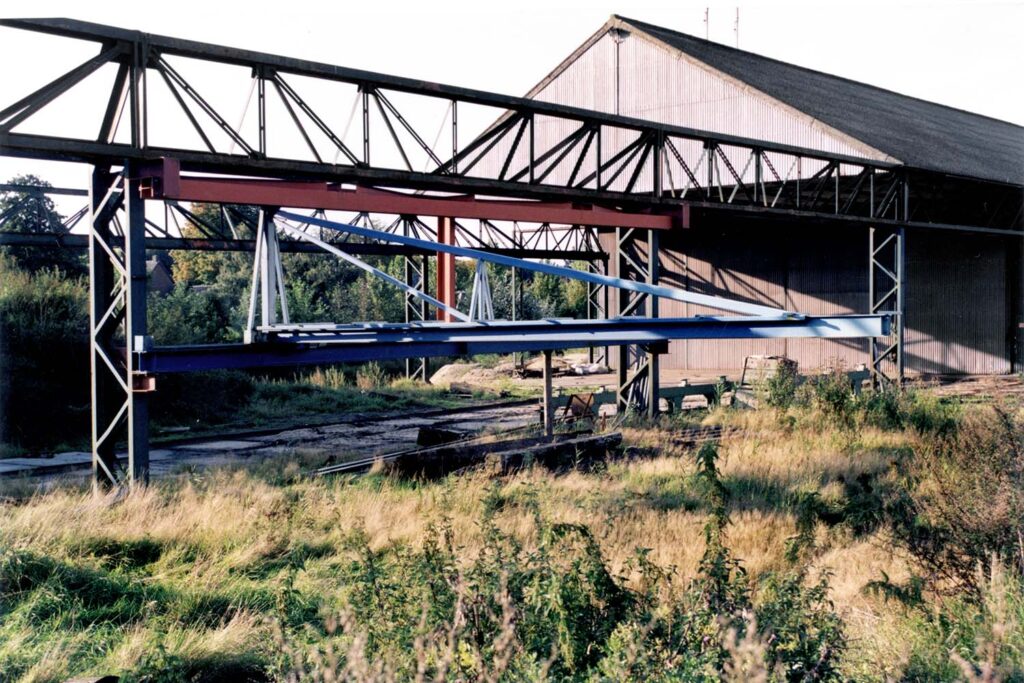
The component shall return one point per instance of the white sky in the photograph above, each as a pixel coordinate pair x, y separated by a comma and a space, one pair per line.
966, 54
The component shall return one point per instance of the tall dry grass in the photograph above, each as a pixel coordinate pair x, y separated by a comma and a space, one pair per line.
266, 539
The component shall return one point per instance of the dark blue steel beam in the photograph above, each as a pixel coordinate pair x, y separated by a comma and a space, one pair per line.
316, 345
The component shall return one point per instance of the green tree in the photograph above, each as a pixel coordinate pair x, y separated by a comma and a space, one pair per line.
26, 212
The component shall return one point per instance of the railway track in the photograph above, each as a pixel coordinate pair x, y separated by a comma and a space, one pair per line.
687, 437
220, 448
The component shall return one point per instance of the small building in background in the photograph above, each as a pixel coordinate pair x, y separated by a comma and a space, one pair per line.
158, 275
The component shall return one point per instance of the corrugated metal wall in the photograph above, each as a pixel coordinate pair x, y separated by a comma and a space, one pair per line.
956, 301
656, 85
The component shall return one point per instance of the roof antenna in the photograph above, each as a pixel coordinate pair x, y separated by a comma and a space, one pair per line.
736, 28
706, 24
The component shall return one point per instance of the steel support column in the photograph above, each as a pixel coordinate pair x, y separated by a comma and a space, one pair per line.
597, 308
548, 418
636, 258
416, 276
887, 286
267, 292
446, 268
117, 329
136, 329
887, 253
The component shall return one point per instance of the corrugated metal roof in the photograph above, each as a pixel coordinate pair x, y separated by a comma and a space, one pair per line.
920, 134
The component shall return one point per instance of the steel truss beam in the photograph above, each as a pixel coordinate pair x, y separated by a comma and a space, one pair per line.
320, 344
573, 242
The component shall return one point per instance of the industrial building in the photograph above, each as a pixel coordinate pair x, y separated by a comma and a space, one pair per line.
962, 289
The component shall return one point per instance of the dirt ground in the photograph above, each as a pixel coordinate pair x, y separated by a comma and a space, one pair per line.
362, 436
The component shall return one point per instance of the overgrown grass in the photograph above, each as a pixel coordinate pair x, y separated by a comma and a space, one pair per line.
779, 555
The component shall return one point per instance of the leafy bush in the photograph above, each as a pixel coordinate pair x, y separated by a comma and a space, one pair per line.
780, 388
830, 394
187, 316
962, 503
44, 358
923, 412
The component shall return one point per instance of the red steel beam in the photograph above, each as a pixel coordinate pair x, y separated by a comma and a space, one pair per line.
164, 181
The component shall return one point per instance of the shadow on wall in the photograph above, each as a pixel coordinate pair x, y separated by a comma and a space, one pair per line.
956, 294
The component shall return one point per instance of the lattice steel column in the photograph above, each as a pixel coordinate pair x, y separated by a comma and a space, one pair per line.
887, 282
597, 308
416, 310
637, 366
887, 250
117, 320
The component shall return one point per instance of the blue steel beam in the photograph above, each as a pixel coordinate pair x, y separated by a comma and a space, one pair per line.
593, 278
323, 344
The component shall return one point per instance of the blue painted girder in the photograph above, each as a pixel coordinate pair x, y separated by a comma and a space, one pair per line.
322, 344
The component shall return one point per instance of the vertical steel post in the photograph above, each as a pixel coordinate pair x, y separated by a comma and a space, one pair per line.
637, 367
135, 332
268, 271
549, 413
445, 268
416, 275
261, 110
901, 277
622, 366
597, 309
653, 362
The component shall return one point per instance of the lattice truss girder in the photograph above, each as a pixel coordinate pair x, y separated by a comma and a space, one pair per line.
242, 112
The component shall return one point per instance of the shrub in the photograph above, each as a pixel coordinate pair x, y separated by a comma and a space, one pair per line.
780, 388
962, 502
831, 394
44, 358
370, 376
186, 316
